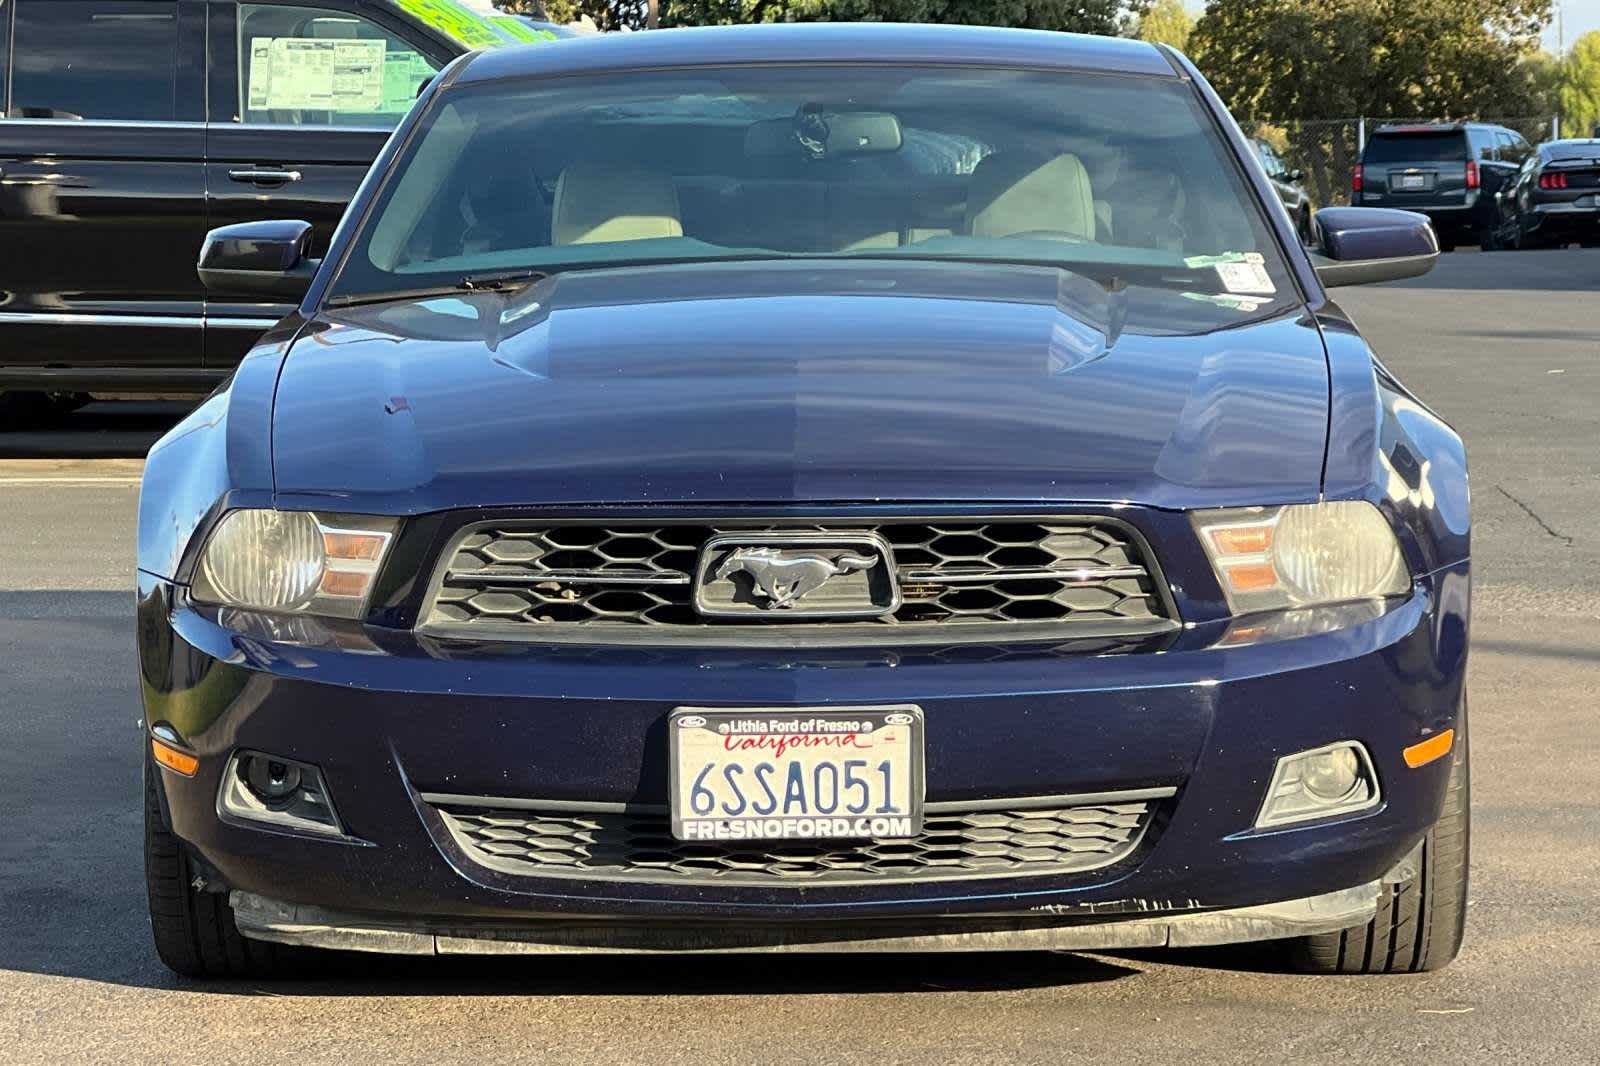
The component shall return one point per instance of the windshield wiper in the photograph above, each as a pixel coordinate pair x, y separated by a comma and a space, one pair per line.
505, 279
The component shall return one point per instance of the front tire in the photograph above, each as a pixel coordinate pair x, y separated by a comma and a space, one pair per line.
194, 931
1419, 924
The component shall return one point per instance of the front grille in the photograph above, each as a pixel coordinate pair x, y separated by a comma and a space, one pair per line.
1022, 839
605, 579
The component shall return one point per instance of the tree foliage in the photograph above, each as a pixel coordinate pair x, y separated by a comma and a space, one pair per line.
1337, 58
1578, 88
1166, 22
1081, 16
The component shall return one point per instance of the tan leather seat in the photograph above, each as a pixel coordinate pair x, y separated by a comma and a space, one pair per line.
600, 203
1012, 194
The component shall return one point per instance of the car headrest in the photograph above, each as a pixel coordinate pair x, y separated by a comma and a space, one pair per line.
600, 203
1018, 193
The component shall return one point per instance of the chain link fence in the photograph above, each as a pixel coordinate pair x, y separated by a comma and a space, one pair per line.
1327, 149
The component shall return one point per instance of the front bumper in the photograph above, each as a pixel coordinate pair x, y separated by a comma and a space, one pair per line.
389, 717
286, 923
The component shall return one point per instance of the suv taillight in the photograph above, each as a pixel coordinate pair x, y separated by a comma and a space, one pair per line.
1355, 178
1472, 174
1552, 181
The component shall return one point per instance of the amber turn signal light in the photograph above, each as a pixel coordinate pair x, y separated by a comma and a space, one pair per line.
1426, 751
179, 762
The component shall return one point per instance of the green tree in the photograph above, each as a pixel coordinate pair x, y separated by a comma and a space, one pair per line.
1166, 22
1080, 16
1578, 89
1287, 59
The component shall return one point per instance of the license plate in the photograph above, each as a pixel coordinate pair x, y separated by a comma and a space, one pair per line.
817, 773
1410, 181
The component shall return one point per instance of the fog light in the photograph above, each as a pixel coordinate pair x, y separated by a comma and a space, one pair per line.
271, 779
1330, 775
1325, 782
280, 792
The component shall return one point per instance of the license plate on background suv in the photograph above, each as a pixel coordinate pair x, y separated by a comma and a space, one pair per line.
849, 773
1409, 181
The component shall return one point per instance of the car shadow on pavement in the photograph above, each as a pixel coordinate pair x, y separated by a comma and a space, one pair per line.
654, 975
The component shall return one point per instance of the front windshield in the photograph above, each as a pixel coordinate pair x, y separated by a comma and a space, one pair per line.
1117, 177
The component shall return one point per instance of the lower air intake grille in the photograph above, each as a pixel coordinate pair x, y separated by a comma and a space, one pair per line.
597, 582
954, 844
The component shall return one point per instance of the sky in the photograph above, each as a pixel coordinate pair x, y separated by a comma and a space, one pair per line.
1581, 17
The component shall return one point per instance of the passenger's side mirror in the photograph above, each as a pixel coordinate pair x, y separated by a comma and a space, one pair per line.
259, 259
1294, 175
1360, 245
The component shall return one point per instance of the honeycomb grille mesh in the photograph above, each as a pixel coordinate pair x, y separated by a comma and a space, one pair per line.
637, 575
953, 844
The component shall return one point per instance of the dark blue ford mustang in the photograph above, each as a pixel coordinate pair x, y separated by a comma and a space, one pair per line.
826, 488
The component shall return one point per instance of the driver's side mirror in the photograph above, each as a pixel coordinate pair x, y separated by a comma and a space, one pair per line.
267, 259
1294, 175
1361, 245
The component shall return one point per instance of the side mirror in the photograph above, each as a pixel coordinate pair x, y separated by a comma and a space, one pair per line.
259, 259
1361, 245
1294, 175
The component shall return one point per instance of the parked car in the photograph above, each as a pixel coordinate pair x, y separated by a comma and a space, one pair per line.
1555, 197
1449, 171
113, 166
736, 533
1288, 184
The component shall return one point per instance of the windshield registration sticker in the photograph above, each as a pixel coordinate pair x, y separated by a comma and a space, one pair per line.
1247, 304
1249, 277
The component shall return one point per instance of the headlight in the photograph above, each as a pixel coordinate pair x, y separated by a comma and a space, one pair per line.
1302, 555
293, 561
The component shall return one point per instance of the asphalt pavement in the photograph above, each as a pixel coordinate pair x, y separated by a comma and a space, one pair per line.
1506, 346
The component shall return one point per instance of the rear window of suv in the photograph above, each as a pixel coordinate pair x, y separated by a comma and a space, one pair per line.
1416, 147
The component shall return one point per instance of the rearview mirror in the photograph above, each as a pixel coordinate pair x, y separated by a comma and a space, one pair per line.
1361, 245
259, 259
825, 134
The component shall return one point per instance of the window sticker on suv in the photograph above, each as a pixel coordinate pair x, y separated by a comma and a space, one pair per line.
457, 21
298, 72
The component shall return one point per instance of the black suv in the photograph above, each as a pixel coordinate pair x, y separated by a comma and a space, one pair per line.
1447, 171
128, 128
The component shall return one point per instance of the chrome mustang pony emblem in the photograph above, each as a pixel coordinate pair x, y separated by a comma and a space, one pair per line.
812, 574
784, 577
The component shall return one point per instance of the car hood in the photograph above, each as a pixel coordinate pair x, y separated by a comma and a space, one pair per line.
894, 382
